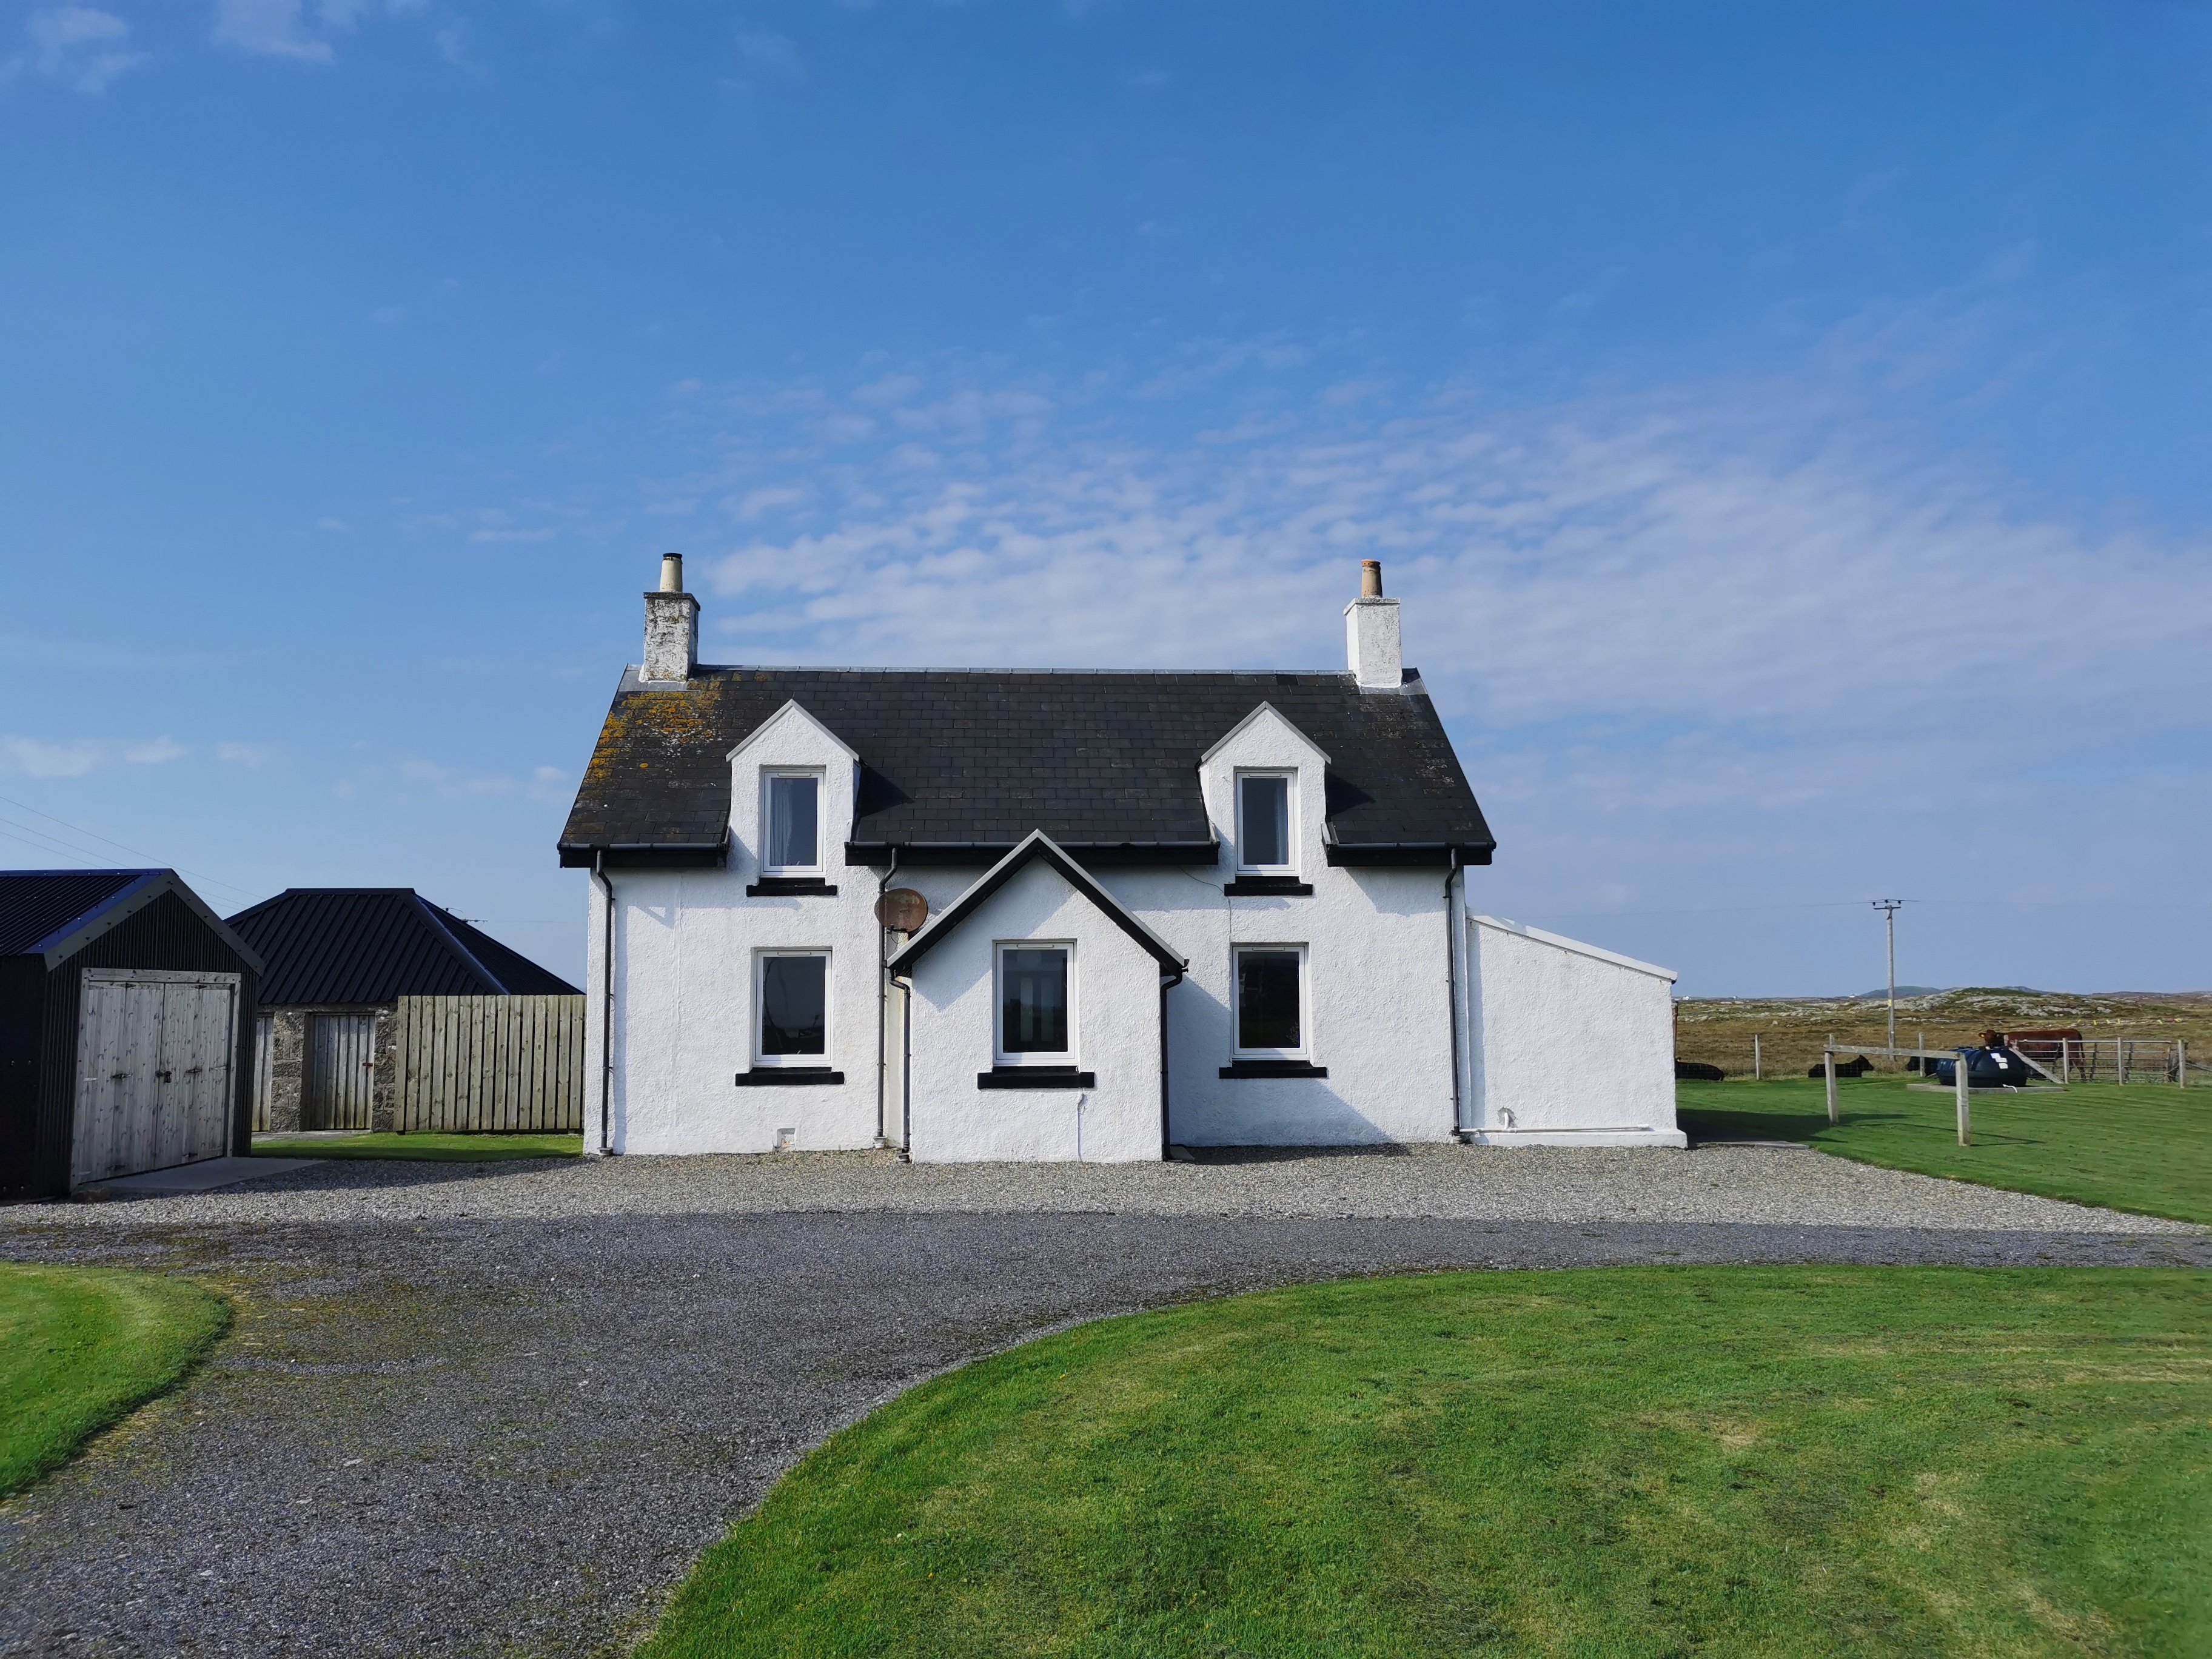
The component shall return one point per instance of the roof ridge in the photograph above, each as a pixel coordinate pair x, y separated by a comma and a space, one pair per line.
439, 916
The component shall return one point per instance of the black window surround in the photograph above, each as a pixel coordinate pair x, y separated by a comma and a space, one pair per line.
1036, 1076
790, 886
1273, 1068
774, 1076
1270, 886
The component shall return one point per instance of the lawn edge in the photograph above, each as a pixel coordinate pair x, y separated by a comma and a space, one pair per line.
128, 1406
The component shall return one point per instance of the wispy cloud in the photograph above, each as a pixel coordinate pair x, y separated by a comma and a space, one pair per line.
771, 54
308, 31
81, 47
77, 757
1728, 563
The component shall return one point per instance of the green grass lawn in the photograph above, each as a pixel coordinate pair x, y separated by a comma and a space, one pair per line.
1627, 1462
2147, 1147
432, 1148
81, 1346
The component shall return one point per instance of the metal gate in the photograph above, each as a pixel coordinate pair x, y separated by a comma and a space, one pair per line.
154, 1053
341, 1072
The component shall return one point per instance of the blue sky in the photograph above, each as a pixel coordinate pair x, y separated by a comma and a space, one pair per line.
1787, 428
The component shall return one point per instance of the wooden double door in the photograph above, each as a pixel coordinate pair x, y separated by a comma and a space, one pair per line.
156, 1052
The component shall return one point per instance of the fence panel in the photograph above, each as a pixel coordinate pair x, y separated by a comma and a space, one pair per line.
472, 1065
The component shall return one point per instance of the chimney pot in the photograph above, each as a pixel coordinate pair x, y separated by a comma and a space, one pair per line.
672, 573
1370, 579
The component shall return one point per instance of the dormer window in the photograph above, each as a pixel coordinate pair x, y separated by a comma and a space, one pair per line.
1263, 823
791, 834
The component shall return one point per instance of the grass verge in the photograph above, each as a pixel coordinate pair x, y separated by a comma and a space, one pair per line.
2144, 1148
81, 1346
1621, 1462
427, 1148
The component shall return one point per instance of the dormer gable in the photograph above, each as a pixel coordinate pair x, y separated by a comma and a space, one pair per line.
1265, 787
792, 786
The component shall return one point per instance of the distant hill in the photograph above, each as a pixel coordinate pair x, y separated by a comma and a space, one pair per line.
1882, 995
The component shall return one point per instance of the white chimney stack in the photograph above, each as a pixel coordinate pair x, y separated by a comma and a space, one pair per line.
1377, 657
672, 626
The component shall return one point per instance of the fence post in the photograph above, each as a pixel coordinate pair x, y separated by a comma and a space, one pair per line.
1756, 1070
1965, 1113
2180, 1063
2066, 1059
1828, 1057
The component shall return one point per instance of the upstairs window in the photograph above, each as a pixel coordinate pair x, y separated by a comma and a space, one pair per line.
1263, 822
792, 1017
1270, 1002
791, 802
1033, 1005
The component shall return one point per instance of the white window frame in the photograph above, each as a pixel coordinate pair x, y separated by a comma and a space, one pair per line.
821, 818
999, 1057
761, 959
1304, 1050
1290, 838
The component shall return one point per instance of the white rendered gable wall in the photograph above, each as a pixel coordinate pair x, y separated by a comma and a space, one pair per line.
1113, 985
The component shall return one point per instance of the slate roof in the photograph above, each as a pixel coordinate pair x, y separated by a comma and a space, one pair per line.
363, 945
57, 913
976, 759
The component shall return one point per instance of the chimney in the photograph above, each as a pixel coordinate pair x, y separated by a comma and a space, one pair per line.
672, 626
1377, 659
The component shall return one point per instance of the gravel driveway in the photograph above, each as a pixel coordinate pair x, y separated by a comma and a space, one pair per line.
497, 1409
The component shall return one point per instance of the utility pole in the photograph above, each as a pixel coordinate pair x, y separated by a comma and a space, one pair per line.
1889, 908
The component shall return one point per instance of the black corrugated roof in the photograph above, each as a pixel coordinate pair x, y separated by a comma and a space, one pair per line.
983, 758
35, 905
357, 945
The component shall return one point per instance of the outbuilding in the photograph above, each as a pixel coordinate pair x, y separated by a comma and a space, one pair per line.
126, 1021
340, 958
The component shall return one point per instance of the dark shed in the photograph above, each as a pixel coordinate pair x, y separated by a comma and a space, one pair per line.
126, 1029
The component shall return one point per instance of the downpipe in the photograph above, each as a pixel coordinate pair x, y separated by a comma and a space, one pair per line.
1452, 932
883, 998
906, 1070
1166, 1131
606, 1005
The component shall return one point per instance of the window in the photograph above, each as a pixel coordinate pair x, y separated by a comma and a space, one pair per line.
1271, 1002
1034, 1006
793, 1023
1263, 821
790, 804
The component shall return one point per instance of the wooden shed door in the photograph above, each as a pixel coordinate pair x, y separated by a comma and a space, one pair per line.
341, 1067
154, 1053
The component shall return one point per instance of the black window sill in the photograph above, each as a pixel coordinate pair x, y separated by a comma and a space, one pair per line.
1036, 1076
786, 886
1285, 886
788, 1076
1273, 1068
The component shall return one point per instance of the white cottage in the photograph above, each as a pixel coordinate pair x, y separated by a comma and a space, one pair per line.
1119, 912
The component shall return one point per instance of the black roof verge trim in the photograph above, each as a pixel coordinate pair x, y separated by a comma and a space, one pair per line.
1036, 845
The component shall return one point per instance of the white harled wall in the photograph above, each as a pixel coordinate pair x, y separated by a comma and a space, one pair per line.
1572, 1046
1114, 985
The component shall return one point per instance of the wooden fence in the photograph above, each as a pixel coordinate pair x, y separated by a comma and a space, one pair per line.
489, 1064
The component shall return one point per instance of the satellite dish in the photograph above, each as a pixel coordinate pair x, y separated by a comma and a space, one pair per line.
902, 910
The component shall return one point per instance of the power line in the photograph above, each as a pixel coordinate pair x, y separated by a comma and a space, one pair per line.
136, 851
